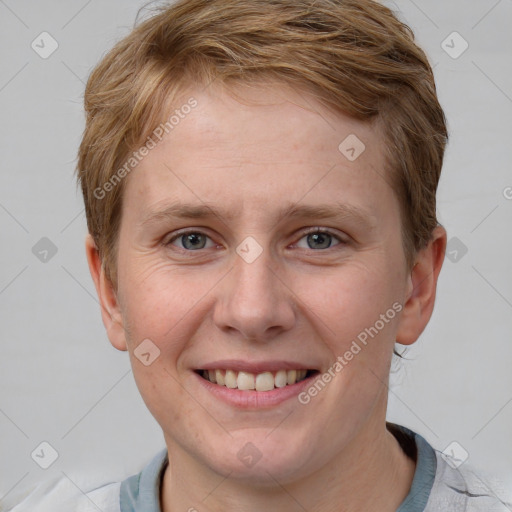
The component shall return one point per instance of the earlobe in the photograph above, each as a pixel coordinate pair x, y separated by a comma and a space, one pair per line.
422, 282
110, 310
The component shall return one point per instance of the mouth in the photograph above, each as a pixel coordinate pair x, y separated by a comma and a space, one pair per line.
252, 384
265, 381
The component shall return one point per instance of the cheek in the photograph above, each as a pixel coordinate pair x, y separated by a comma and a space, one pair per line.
347, 300
155, 298
157, 384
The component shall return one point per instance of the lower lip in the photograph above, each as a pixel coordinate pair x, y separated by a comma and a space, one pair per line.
251, 399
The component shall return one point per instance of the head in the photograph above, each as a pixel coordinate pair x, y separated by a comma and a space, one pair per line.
248, 112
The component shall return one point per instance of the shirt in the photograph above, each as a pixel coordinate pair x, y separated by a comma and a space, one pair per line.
439, 484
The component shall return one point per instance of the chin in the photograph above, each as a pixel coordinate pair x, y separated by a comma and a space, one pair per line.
255, 459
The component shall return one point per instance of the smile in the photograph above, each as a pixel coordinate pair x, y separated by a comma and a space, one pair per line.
264, 381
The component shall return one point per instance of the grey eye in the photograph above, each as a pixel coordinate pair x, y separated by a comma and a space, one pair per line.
319, 240
191, 240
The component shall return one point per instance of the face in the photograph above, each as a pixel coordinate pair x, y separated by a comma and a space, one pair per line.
253, 247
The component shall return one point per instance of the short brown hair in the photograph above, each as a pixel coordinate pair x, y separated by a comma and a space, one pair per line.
354, 56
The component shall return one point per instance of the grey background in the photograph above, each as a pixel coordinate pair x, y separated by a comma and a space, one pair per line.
63, 383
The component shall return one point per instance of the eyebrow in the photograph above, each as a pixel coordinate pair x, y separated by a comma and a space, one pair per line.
337, 211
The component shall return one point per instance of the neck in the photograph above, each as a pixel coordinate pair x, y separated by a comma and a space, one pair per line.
372, 473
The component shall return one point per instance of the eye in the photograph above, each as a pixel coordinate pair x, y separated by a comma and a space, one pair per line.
317, 238
191, 240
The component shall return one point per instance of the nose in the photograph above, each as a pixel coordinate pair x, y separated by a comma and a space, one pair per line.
255, 300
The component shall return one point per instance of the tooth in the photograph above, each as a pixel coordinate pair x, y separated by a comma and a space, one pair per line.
280, 379
245, 380
230, 379
291, 377
264, 381
219, 377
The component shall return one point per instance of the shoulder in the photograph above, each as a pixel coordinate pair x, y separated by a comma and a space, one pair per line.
443, 482
92, 492
63, 495
466, 489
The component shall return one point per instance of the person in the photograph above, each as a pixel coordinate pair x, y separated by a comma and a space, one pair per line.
224, 140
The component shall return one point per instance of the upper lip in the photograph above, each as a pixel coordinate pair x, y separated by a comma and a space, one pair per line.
254, 367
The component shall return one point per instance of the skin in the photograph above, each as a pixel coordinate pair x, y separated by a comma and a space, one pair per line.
298, 302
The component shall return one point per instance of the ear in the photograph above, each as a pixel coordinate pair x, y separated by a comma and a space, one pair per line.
110, 310
421, 293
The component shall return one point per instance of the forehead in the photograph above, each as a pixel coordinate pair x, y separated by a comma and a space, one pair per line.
244, 119
250, 148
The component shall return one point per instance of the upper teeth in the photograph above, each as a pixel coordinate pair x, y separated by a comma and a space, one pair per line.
265, 381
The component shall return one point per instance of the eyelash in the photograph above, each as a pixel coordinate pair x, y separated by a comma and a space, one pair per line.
310, 231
